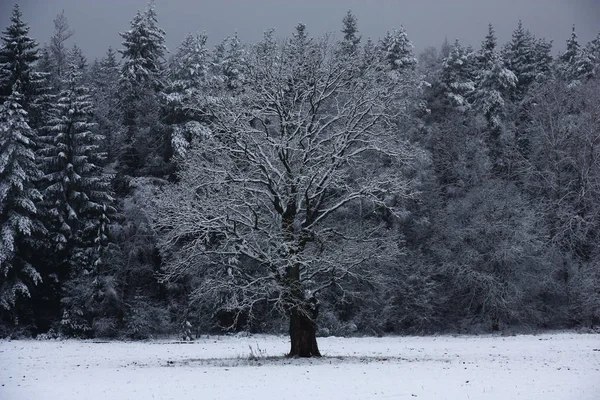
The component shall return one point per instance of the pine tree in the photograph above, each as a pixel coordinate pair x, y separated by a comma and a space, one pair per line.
146, 144
351, 39
76, 192
58, 49
77, 200
18, 54
575, 64
189, 71
77, 58
397, 51
234, 64
543, 59
519, 57
300, 47
105, 95
593, 49
143, 51
487, 54
456, 78
18, 197
494, 82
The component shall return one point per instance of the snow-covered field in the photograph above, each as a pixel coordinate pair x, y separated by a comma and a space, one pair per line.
545, 367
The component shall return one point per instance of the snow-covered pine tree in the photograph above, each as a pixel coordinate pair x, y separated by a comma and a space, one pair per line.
519, 56
188, 73
76, 190
147, 145
543, 59
18, 54
18, 197
77, 197
300, 47
187, 89
234, 64
58, 50
456, 78
143, 51
576, 64
397, 51
107, 111
77, 58
593, 48
350, 42
494, 82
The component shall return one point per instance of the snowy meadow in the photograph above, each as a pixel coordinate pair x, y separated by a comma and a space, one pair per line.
549, 366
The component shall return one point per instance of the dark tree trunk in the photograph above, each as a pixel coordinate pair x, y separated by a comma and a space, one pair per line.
303, 335
495, 323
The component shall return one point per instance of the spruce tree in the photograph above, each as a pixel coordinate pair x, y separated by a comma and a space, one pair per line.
351, 39
105, 94
18, 197
456, 78
543, 59
519, 57
58, 50
143, 51
234, 65
488, 50
397, 51
147, 147
494, 82
18, 54
77, 198
188, 75
593, 49
76, 191
576, 64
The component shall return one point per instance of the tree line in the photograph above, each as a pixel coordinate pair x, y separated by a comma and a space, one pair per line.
340, 184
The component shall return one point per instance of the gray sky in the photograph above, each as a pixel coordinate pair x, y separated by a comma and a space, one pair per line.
97, 22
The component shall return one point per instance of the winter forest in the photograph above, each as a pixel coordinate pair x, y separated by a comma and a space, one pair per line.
307, 185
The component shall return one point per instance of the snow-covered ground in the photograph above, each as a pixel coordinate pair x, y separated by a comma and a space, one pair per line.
546, 367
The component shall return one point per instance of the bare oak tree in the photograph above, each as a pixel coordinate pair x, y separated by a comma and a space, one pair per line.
297, 185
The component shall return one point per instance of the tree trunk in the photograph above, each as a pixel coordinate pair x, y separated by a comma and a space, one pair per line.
495, 323
303, 335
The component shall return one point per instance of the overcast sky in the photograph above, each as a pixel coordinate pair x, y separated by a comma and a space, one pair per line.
97, 22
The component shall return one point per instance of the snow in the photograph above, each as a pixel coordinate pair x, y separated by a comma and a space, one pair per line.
548, 367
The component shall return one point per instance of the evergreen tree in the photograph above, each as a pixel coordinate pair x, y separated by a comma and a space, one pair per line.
519, 57
147, 147
143, 51
18, 197
234, 64
76, 193
351, 39
494, 82
105, 94
78, 59
397, 51
488, 52
58, 49
593, 49
18, 54
575, 64
189, 71
457, 80
185, 93
300, 47
543, 59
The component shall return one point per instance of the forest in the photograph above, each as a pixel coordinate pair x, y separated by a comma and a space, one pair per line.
310, 185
